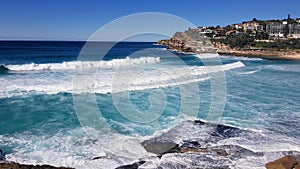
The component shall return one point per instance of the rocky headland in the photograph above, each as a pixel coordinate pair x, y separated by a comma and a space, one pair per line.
189, 41
195, 42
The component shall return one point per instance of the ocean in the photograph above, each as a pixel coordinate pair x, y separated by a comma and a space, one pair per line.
63, 110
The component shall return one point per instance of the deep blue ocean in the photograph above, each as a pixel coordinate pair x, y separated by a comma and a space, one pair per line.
59, 109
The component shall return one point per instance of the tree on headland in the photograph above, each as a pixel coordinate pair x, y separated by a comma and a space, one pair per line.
249, 31
237, 40
228, 28
261, 35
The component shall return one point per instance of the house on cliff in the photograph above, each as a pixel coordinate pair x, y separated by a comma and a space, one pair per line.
252, 26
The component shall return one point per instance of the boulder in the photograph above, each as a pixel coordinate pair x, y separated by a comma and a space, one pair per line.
160, 147
286, 162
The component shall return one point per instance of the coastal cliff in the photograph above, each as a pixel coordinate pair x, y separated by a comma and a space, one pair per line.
195, 42
189, 41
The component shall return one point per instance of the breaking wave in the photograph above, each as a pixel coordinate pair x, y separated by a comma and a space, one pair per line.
106, 81
83, 64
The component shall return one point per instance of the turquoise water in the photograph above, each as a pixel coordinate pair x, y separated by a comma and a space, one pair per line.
38, 112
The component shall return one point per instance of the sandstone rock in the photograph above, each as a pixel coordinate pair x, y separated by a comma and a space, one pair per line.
286, 162
12, 165
297, 166
189, 41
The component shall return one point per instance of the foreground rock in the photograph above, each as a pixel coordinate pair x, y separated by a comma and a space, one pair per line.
286, 162
13, 165
196, 144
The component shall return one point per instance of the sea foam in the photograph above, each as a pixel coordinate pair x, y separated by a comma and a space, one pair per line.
112, 80
84, 64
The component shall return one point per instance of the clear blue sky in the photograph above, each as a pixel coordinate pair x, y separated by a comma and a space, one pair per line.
79, 19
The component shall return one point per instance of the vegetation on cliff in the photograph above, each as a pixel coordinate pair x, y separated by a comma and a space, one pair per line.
235, 41
246, 41
280, 44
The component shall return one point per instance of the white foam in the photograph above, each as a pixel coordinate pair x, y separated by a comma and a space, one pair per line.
111, 80
76, 149
285, 67
207, 55
84, 65
247, 73
240, 57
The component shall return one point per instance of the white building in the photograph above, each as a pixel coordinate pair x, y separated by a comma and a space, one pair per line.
275, 29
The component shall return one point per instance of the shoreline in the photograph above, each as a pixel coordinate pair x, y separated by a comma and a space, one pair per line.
202, 152
267, 54
180, 45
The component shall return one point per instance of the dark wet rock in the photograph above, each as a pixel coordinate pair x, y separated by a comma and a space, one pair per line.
233, 150
160, 147
132, 166
200, 132
12, 165
238, 152
219, 152
199, 122
286, 162
225, 131
198, 137
190, 144
96, 158
217, 132
193, 145
2, 157
297, 166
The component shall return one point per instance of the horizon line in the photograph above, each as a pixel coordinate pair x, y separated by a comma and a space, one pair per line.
67, 40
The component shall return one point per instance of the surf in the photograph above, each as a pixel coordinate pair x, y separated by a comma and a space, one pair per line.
83, 64
3, 69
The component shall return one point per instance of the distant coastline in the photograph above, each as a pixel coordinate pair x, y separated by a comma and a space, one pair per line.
225, 50
269, 39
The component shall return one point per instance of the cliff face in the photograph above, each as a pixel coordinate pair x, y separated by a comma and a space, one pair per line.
189, 41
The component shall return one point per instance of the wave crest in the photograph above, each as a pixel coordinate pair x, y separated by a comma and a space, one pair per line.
84, 64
